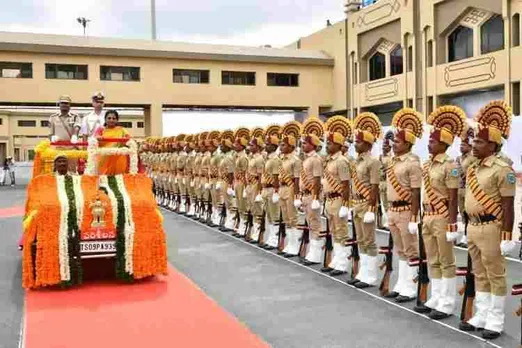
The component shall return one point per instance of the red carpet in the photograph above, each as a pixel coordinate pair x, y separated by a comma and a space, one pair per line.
167, 312
11, 212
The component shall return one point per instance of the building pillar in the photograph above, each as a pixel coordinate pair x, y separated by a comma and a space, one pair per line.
153, 118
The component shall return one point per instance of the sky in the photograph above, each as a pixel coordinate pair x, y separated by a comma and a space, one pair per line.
234, 22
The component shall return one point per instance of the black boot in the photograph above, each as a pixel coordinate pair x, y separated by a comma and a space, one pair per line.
490, 335
326, 269
362, 285
436, 315
353, 281
465, 326
404, 299
336, 273
392, 294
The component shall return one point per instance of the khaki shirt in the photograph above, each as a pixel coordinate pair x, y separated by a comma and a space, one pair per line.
312, 168
172, 162
385, 162
181, 163
215, 160
205, 165
197, 164
368, 170
444, 176
495, 177
505, 158
255, 168
63, 127
291, 165
241, 165
189, 164
338, 167
407, 169
226, 166
272, 167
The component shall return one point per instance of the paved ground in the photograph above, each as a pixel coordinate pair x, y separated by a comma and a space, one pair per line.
286, 304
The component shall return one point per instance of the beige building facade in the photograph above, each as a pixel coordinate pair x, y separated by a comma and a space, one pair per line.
385, 55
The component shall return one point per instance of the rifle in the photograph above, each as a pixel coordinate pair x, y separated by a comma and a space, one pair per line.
282, 235
248, 226
384, 288
305, 239
222, 217
355, 250
468, 290
517, 290
328, 247
261, 238
423, 279
208, 212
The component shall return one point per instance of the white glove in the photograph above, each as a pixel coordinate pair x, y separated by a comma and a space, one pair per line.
259, 198
464, 239
54, 139
315, 205
413, 228
275, 197
192, 184
176, 180
183, 181
343, 212
297, 203
452, 236
369, 217
170, 179
231, 192
507, 246
207, 186
74, 139
218, 186
244, 194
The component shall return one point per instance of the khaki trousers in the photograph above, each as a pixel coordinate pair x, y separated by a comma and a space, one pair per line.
441, 258
215, 195
365, 232
255, 208
489, 266
182, 184
241, 201
383, 195
272, 209
313, 217
286, 201
406, 244
338, 226
461, 195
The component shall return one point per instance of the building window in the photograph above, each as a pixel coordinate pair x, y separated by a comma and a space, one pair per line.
366, 3
492, 35
238, 78
26, 123
17, 154
429, 53
30, 155
125, 124
410, 58
410, 103
430, 106
119, 73
377, 66
190, 76
460, 44
283, 80
16, 70
44, 123
516, 99
66, 71
141, 124
396, 65
355, 73
516, 30
1, 121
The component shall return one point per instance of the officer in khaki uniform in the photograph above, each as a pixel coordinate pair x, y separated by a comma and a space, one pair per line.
289, 186
242, 136
404, 179
270, 182
365, 174
310, 185
440, 206
463, 163
190, 171
225, 184
254, 188
384, 158
490, 191
64, 125
172, 163
181, 175
215, 189
198, 189
336, 183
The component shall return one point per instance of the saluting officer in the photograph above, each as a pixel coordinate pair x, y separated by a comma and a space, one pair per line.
490, 191
440, 204
365, 192
310, 182
404, 179
336, 187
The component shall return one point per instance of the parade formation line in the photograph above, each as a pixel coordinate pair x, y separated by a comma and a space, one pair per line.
484, 342
160, 312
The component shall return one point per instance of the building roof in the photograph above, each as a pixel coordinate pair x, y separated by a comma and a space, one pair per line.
80, 45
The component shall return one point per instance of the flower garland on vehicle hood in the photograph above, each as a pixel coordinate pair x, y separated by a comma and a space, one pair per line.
57, 206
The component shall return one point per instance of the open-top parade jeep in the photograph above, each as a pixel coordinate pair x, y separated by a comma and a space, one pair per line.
81, 224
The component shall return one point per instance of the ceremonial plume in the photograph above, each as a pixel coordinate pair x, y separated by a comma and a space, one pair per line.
498, 115
313, 131
367, 127
291, 132
339, 129
408, 123
448, 122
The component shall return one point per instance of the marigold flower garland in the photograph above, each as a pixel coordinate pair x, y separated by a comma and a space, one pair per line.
93, 151
128, 227
73, 235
